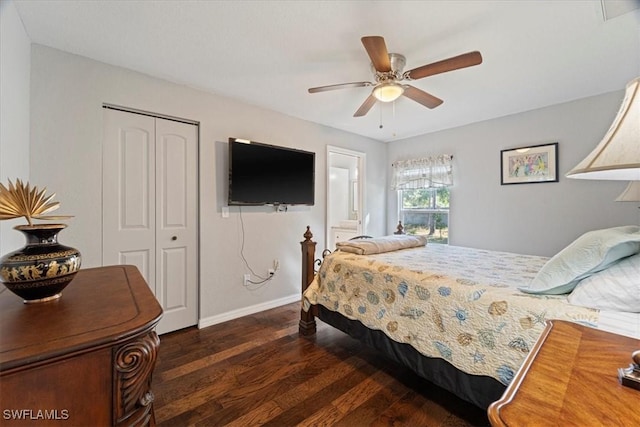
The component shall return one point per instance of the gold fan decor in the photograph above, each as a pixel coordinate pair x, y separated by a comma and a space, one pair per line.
20, 200
40, 270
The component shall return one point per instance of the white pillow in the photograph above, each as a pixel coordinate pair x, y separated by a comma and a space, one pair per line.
592, 252
617, 288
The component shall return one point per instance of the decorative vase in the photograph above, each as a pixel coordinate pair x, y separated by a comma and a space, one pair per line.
40, 270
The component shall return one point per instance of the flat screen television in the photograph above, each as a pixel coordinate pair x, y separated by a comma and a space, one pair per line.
263, 174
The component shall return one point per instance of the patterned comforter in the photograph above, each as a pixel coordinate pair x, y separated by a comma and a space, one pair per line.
456, 303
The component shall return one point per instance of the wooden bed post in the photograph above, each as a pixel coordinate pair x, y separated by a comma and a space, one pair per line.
307, 325
399, 228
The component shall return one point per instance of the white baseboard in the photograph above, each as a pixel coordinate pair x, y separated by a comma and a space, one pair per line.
234, 314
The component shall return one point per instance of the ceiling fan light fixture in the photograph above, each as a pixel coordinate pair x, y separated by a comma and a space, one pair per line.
388, 92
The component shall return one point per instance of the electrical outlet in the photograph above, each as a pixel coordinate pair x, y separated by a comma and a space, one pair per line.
271, 272
247, 277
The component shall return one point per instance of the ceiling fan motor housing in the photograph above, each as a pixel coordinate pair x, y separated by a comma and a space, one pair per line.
397, 65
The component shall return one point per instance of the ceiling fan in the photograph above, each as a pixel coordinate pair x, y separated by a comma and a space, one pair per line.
389, 77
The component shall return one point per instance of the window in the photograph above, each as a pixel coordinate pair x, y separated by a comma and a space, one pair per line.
426, 212
423, 195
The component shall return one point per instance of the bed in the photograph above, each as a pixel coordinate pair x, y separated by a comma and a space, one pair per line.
461, 318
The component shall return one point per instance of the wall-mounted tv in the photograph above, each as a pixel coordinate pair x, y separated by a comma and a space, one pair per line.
263, 174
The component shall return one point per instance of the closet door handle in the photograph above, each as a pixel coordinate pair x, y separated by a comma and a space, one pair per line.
174, 238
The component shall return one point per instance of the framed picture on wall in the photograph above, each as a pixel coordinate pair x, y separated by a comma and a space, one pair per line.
529, 165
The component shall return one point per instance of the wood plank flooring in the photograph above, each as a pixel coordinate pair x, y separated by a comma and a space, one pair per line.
257, 371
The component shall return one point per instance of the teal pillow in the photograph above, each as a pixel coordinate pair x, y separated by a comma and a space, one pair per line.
592, 252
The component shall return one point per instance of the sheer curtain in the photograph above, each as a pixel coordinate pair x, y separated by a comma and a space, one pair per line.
427, 172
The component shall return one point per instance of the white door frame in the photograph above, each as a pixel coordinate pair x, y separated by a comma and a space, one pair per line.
362, 160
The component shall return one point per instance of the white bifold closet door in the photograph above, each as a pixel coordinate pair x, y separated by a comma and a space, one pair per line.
150, 208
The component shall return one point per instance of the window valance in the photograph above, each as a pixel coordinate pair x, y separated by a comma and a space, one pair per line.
427, 172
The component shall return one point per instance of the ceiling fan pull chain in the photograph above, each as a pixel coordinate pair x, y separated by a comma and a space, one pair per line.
380, 109
393, 133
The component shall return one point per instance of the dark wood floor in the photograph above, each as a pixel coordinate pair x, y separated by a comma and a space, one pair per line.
256, 370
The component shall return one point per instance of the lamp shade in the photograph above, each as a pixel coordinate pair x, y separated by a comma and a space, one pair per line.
617, 156
387, 92
631, 193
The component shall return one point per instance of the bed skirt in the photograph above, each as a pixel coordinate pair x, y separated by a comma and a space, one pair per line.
478, 390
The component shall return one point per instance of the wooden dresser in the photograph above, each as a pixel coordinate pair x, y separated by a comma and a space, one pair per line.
85, 359
570, 378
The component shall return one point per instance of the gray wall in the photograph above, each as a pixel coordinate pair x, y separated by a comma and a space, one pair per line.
66, 153
15, 65
535, 219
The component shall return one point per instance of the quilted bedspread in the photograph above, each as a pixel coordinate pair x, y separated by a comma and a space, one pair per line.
456, 303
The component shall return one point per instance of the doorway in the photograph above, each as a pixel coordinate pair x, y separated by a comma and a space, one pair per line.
345, 195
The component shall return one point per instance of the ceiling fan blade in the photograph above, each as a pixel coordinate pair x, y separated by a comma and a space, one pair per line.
461, 61
377, 51
422, 97
366, 106
339, 86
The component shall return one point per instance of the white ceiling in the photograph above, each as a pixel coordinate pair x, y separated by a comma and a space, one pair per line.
268, 53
